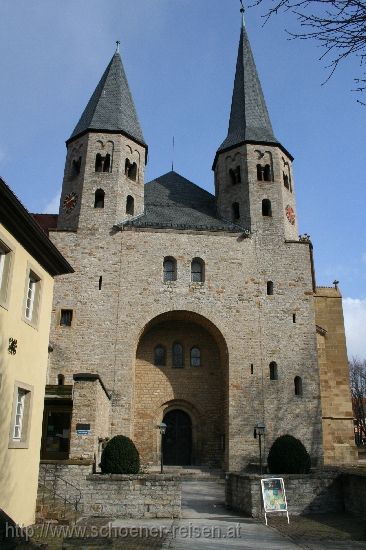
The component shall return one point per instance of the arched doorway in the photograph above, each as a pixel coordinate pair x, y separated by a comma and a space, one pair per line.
181, 366
177, 441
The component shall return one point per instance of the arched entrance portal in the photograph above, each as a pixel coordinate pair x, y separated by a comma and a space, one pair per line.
177, 441
181, 377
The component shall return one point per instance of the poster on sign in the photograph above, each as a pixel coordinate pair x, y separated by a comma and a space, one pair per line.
274, 496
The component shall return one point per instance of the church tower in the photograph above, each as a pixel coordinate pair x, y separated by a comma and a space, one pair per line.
106, 155
253, 171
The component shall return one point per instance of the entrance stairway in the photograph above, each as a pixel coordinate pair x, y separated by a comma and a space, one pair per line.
57, 499
192, 473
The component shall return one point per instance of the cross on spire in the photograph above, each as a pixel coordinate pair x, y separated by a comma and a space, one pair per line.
117, 48
242, 11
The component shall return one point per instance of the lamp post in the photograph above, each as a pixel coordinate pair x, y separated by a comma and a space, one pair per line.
259, 430
162, 428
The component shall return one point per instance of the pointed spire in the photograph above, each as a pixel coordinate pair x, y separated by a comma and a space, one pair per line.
249, 118
111, 107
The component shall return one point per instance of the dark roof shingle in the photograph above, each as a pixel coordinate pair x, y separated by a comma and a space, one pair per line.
111, 106
249, 118
172, 201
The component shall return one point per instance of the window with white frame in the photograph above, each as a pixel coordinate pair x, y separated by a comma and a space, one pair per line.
21, 417
32, 297
19, 414
5, 256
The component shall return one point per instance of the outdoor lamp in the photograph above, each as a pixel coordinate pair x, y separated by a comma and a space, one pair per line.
260, 429
162, 428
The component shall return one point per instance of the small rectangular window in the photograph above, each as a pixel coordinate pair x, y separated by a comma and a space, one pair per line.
32, 297
5, 257
66, 317
20, 424
294, 317
19, 414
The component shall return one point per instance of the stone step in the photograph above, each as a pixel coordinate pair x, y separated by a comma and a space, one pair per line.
49, 507
191, 473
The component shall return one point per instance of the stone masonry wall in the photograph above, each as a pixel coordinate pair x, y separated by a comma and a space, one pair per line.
250, 192
139, 496
255, 328
91, 406
115, 184
305, 494
116, 496
338, 435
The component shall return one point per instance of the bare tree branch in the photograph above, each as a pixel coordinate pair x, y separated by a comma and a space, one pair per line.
357, 370
339, 26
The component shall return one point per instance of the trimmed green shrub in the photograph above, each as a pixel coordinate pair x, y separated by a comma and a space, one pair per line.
120, 456
288, 456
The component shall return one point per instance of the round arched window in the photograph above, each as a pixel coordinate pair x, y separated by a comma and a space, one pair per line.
197, 270
178, 360
159, 356
195, 357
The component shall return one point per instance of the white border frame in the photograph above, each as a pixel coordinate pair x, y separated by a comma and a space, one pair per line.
284, 495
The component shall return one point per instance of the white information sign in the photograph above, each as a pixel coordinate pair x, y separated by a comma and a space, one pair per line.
274, 496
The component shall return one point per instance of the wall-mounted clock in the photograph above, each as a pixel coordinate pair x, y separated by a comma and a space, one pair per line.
290, 214
70, 202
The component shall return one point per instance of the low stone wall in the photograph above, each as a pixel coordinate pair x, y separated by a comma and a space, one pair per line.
66, 479
115, 496
138, 496
312, 493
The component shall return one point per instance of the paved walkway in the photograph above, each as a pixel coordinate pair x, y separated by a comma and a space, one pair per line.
206, 523
205, 516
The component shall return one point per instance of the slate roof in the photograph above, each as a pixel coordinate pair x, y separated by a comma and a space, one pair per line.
249, 118
111, 107
172, 201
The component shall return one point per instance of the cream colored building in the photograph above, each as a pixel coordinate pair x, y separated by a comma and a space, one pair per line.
28, 263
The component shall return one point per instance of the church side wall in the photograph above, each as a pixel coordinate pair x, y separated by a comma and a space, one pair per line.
339, 443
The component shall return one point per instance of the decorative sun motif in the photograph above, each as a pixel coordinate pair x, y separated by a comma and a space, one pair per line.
70, 202
290, 214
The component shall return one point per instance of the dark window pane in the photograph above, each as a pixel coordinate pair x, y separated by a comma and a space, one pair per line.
169, 270
197, 271
99, 198
66, 317
298, 385
178, 356
57, 432
159, 356
273, 374
195, 357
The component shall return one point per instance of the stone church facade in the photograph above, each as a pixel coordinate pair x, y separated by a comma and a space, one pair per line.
194, 309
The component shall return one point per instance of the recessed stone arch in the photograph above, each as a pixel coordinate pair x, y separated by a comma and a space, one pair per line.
201, 392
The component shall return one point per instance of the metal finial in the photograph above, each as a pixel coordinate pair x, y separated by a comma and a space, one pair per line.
336, 283
242, 11
117, 48
173, 150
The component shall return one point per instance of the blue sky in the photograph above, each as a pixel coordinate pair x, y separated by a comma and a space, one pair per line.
180, 59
